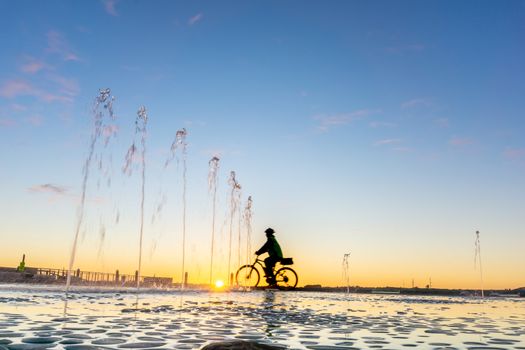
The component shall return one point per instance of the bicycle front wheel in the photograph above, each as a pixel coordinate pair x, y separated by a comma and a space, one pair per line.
247, 276
286, 278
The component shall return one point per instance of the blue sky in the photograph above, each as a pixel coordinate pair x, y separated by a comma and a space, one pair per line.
392, 129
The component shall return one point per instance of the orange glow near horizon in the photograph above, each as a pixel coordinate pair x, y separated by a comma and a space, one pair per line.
370, 265
325, 274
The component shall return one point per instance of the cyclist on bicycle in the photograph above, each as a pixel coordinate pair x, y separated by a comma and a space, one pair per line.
275, 255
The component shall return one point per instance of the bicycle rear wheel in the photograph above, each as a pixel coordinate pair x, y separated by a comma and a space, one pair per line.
286, 278
247, 276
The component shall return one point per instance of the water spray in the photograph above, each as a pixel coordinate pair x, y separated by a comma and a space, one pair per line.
477, 257
102, 111
212, 188
180, 143
140, 129
346, 272
248, 222
235, 187
239, 227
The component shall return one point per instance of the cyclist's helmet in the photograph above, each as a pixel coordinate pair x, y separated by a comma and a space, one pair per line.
269, 231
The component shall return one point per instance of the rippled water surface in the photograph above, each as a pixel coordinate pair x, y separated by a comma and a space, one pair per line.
32, 318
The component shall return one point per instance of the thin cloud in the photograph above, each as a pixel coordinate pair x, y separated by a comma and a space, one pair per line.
387, 142
32, 65
327, 122
110, 7
57, 44
56, 192
416, 102
66, 86
395, 145
195, 19
514, 153
7, 122
15, 88
460, 141
48, 188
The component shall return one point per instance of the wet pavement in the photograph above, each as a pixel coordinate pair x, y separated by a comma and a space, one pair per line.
33, 318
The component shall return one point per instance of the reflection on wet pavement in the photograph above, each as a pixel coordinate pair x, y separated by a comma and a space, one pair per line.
110, 319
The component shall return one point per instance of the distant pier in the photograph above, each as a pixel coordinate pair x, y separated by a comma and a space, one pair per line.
49, 275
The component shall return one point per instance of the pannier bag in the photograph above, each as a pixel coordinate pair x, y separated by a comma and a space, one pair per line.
287, 261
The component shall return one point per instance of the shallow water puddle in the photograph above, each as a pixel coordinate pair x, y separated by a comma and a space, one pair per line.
32, 319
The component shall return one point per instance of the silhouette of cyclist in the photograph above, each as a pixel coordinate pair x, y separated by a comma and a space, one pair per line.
275, 255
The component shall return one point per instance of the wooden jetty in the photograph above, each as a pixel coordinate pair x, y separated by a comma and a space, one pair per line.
89, 277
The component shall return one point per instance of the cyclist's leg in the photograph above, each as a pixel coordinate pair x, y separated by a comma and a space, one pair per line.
267, 267
269, 263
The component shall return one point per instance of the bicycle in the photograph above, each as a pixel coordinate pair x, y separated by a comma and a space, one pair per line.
248, 276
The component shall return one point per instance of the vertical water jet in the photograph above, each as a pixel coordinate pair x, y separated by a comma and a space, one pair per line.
477, 257
248, 222
212, 188
239, 226
141, 122
181, 139
104, 100
180, 144
235, 187
346, 272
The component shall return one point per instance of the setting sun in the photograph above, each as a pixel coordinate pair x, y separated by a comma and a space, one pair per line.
219, 284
